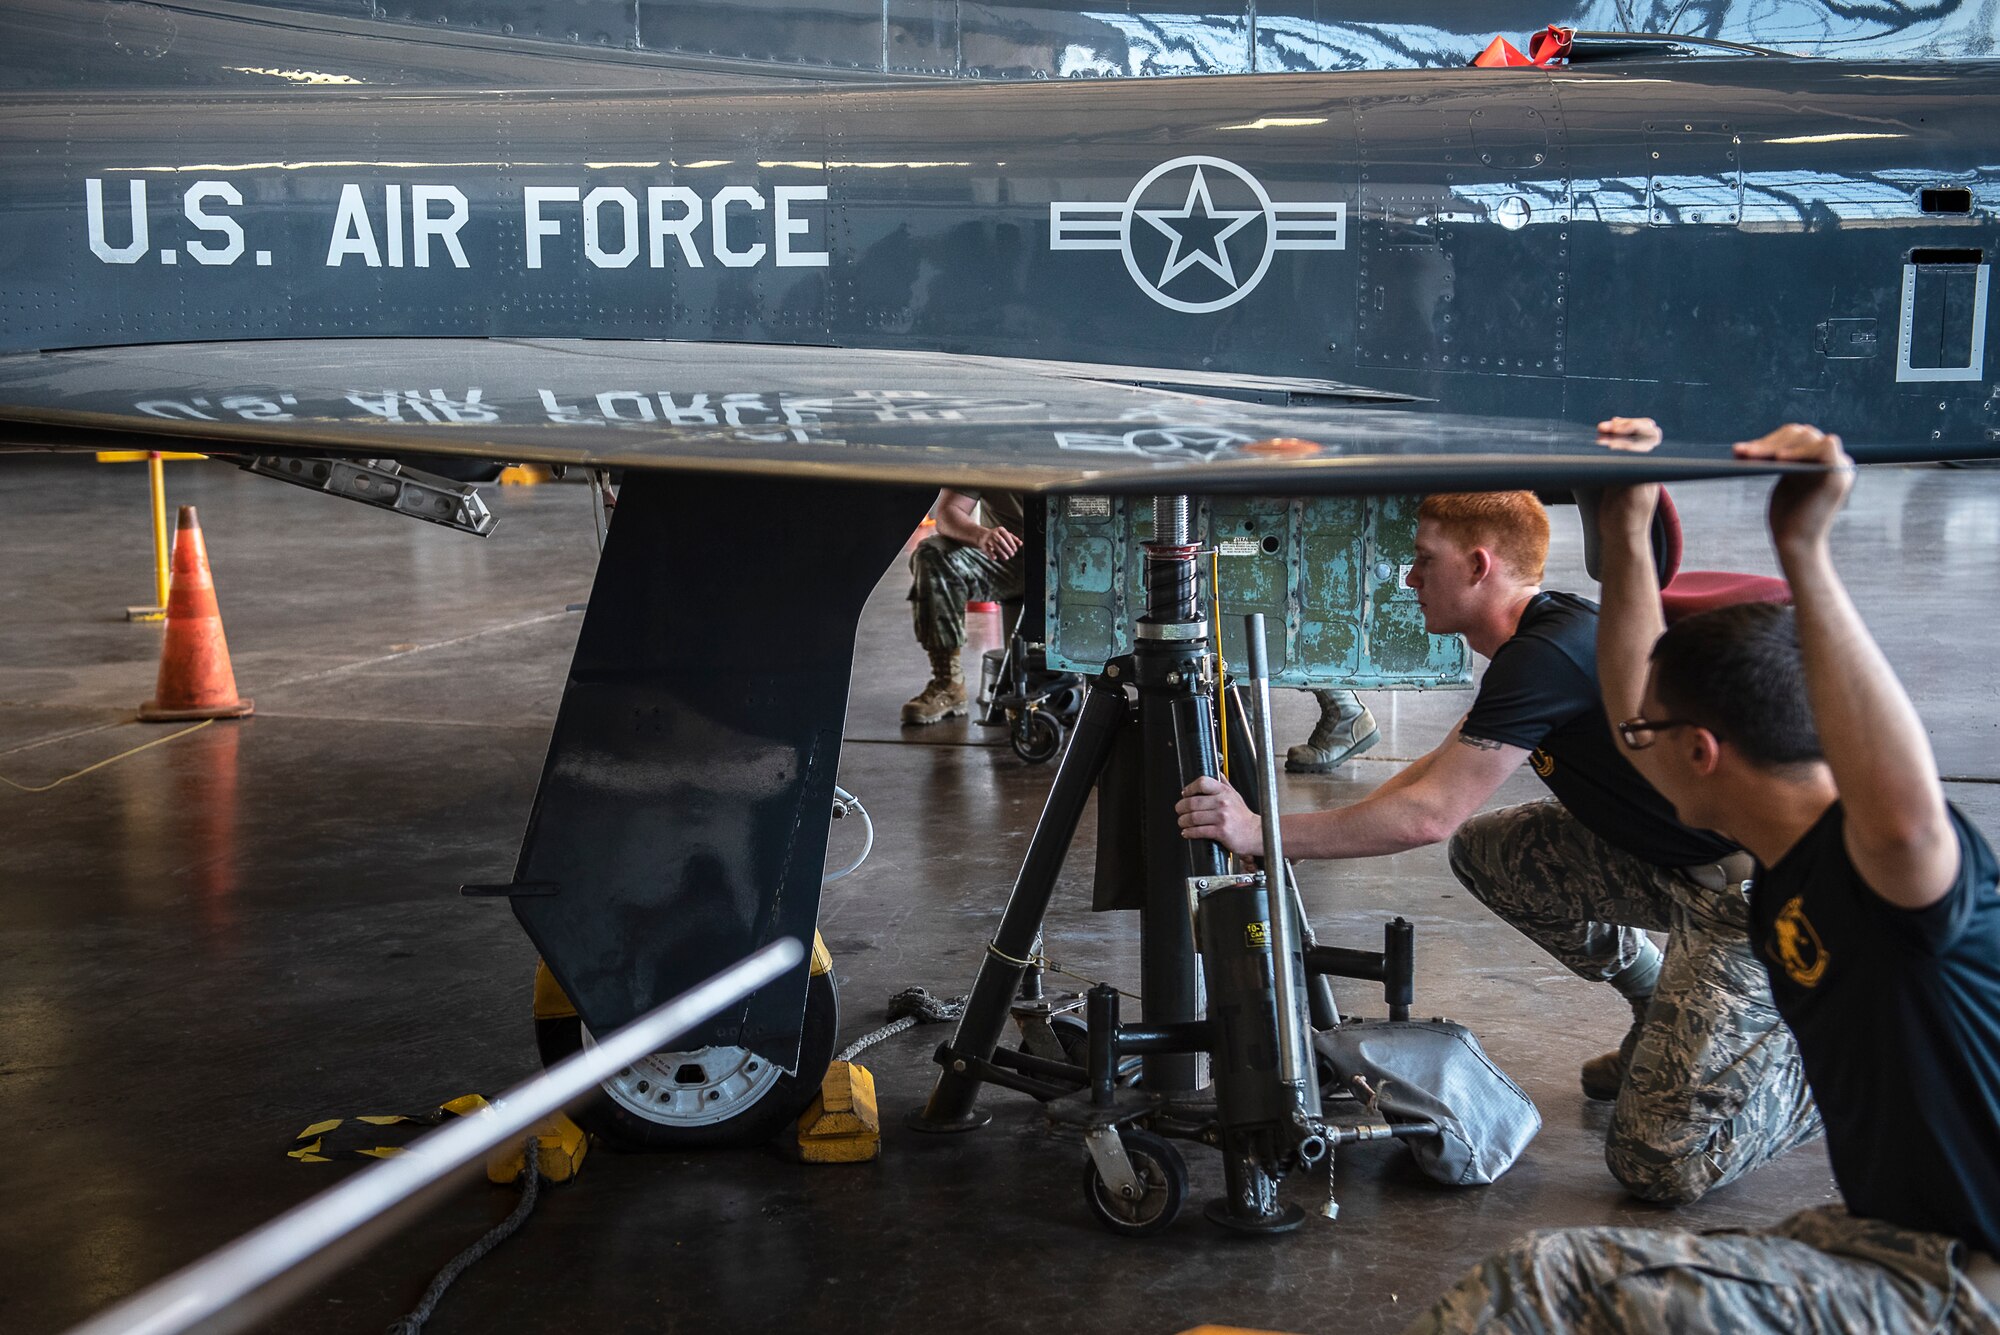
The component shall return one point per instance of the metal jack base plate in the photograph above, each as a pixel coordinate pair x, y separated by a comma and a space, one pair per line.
1081, 1111
1283, 1220
972, 1121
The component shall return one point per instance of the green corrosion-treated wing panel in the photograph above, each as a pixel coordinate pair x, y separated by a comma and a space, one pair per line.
1327, 574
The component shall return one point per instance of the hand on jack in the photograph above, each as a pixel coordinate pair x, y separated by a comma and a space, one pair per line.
1211, 809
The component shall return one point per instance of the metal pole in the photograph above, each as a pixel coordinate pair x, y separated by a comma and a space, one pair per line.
1171, 662
1284, 939
249, 1280
156, 477
156, 474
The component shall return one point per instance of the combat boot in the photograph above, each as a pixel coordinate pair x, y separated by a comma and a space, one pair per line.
944, 697
1604, 1076
1345, 730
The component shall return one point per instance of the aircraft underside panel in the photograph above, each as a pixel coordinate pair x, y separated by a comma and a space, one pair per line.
682, 816
1327, 574
832, 414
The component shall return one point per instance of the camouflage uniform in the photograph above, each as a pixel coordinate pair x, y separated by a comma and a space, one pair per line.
1715, 1085
1822, 1270
944, 576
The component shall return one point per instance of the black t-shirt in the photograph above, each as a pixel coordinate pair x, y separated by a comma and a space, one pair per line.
1897, 1013
1540, 693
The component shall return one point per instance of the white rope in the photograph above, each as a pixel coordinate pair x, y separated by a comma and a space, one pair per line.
907, 1009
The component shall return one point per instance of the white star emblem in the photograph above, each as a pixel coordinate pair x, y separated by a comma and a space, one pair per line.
1199, 229
1208, 238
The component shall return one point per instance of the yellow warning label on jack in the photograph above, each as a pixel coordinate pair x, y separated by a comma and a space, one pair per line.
1257, 935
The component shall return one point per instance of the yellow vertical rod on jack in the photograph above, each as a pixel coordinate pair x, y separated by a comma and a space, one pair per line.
156, 474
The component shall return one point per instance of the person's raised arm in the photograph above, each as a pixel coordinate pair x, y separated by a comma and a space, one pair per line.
1898, 831
1629, 622
1451, 783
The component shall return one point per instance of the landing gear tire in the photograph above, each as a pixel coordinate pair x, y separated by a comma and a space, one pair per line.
1037, 736
703, 1098
1163, 1183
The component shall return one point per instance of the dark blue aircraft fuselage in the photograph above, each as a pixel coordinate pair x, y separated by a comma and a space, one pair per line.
1720, 243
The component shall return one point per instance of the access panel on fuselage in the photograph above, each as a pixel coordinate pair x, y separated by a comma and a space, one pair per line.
1737, 266
1461, 228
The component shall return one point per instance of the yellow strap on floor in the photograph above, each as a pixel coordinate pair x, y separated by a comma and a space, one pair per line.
89, 769
324, 1141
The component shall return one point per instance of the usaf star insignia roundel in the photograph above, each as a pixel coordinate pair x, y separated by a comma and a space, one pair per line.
1198, 233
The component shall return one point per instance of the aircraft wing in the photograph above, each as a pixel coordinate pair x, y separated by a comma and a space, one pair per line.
682, 813
891, 418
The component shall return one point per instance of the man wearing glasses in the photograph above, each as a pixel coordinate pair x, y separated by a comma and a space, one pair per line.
1876, 911
1707, 1082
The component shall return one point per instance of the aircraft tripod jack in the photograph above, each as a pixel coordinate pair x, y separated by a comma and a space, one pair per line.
1212, 993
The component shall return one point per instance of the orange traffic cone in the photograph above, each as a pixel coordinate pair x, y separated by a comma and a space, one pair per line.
1500, 52
196, 680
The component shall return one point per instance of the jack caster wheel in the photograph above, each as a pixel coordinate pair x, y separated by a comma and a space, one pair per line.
1037, 736
1074, 1035
1163, 1182
703, 1098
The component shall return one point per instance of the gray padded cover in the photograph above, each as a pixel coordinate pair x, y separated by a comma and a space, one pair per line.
1436, 1070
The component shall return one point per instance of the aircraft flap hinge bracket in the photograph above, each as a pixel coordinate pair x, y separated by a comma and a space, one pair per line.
386, 484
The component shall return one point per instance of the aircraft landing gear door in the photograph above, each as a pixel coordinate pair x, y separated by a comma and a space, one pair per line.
1475, 183
1941, 334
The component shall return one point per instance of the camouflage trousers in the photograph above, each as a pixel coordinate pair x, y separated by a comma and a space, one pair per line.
945, 575
1715, 1086
1821, 1271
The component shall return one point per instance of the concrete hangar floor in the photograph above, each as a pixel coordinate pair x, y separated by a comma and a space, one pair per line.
207, 946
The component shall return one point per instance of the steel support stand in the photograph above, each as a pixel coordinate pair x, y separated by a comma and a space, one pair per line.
951, 1106
1172, 668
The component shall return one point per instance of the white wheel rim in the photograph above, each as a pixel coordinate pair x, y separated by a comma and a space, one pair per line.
700, 1087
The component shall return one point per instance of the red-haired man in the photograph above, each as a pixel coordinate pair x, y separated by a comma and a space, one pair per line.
1708, 1083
